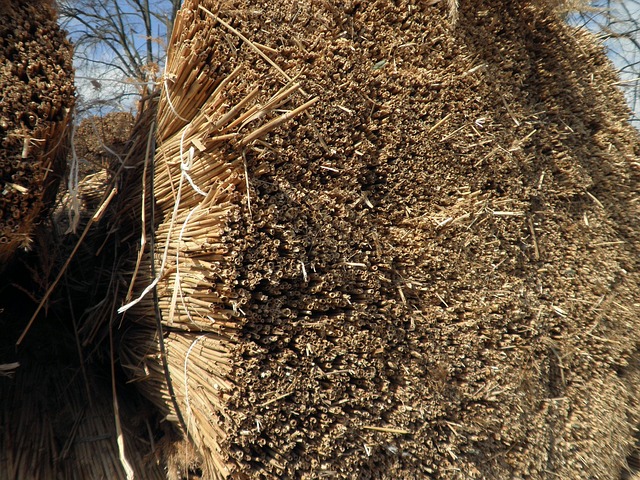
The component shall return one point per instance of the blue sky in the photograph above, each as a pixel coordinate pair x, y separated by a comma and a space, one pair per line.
103, 77
617, 23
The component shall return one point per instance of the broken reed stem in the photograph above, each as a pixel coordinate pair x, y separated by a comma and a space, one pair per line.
276, 122
387, 430
116, 412
143, 208
63, 270
453, 11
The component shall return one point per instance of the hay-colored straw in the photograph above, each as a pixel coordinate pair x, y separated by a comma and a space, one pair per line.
205, 122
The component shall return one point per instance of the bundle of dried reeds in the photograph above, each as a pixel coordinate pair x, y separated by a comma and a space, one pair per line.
375, 339
372, 320
50, 429
65, 414
181, 304
37, 97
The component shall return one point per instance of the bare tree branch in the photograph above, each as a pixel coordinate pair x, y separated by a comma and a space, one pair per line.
617, 22
124, 38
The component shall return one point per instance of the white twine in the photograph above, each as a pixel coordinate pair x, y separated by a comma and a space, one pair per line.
184, 168
144, 293
173, 109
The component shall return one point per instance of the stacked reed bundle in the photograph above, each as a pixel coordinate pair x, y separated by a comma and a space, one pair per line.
50, 430
66, 413
414, 282
97, 140
179, 337
36, 80
419, 293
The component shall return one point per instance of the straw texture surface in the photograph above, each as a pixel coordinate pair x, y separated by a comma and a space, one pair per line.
433, 273
357, 240
36, 81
